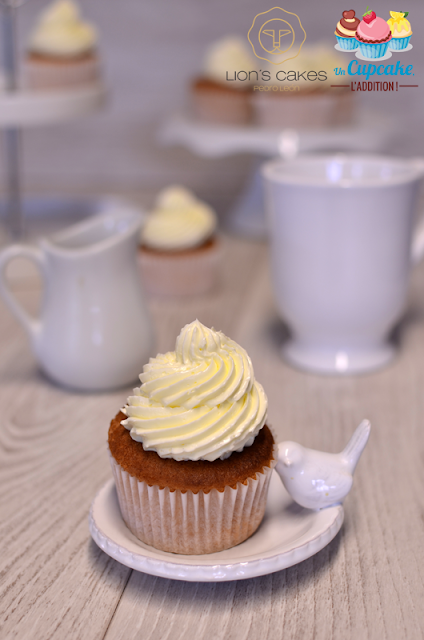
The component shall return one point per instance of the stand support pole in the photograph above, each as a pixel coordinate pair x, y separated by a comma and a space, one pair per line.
12, 135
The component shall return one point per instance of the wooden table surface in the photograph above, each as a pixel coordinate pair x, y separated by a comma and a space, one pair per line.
368, 583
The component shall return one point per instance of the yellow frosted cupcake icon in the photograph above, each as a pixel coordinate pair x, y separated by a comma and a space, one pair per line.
401, 30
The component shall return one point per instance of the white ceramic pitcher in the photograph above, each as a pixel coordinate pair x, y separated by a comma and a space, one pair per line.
94, 331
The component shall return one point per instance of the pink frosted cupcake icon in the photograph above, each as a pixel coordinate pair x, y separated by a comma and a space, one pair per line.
373, 35
401, 30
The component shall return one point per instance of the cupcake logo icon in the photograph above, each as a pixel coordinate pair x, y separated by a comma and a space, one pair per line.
373, 37
276, 35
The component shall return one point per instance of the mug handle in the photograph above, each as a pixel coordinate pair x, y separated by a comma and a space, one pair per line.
417, 248
31, 325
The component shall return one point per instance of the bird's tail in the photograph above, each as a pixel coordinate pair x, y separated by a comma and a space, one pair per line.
354, 448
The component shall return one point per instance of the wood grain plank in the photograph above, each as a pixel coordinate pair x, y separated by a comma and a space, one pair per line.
55, 582
50, 468
368, 583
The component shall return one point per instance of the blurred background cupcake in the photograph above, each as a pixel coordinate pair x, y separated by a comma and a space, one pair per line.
179, 252
303, 104
218, 96
62, 49
401, 30
149, 57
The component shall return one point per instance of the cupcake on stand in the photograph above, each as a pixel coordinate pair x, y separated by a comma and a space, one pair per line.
62, 50
216, 99
306, 105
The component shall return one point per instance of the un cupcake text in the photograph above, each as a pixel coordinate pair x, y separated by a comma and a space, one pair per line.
369, 70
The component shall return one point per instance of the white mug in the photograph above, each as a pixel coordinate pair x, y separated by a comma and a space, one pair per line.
341, 233
94, 331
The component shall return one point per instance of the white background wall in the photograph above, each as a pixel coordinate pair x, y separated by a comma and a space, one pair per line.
150, 50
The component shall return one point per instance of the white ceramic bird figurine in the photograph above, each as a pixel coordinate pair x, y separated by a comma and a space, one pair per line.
315, 479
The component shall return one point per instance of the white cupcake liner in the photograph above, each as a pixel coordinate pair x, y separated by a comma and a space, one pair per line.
374, 51
348, 43
192, 523
283, 109
42, 74
193, 273
226, 107
399, 44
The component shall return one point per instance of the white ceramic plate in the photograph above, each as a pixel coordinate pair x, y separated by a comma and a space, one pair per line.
339, 48
408, 48
288, 534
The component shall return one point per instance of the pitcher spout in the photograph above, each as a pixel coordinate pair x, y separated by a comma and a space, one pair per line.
97, 234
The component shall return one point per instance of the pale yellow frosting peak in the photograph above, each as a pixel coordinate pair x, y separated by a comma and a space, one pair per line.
199, 402
175, 197
179, 221
60, 31
399, 25
229, 55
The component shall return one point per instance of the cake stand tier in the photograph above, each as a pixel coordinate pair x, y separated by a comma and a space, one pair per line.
37, 108
368, 133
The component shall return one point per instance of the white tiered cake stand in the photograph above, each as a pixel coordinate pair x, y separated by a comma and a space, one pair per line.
37, 108
21, 108
370, 132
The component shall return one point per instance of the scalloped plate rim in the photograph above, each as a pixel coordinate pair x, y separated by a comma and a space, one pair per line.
180, 569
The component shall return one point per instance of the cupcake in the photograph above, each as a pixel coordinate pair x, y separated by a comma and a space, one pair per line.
217, 96
179, 251
401, 30
190, 451
373, 35
346, 31
62, 49
305, 104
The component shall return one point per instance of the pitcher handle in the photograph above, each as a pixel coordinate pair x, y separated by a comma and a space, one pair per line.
31, 325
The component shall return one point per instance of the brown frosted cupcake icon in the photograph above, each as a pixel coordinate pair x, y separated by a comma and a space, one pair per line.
191, 454
346, 31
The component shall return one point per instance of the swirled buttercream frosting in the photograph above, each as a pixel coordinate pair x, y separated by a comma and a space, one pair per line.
61, 31
199, 402
179, 221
